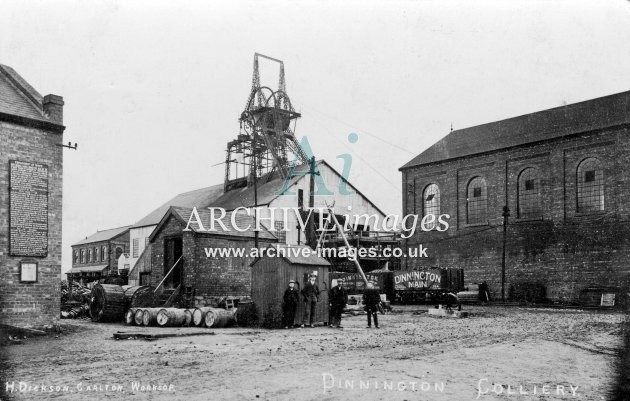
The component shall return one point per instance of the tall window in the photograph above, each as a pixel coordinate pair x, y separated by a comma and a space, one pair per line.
477, 201
90, 255
134, 246
103, 254
76, 257
431, 200
282, 235
82, 255
529, 204
97, 254
590, 186
119, 252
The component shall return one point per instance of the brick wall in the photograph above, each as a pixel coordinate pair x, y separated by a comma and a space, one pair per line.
31, 304
121, 241
210, 277
564, 250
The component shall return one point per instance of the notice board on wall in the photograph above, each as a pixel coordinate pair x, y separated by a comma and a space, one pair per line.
28, 209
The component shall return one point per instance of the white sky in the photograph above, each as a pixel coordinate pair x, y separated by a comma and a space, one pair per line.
154, 89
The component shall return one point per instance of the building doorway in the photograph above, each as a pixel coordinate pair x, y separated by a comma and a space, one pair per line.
173, 249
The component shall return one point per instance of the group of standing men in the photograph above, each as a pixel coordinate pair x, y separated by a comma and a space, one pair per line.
337, 299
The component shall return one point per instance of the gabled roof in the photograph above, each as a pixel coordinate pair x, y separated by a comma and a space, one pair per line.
242, 220
215, 197
199, 198
268, 191
595, 114
294, 254
103, 235
18, 98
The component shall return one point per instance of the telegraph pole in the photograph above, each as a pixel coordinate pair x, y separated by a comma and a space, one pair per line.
506, 214
255, 165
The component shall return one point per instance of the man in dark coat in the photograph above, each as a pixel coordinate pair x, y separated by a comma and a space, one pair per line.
310, 293
338, 301
289, 305
371, 300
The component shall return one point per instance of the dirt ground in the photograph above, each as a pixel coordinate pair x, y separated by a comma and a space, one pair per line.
497, 353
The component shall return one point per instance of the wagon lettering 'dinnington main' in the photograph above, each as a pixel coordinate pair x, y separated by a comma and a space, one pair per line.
417, 279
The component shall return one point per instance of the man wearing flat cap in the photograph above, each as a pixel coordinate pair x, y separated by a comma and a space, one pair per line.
289, 305
310, 293
338, 301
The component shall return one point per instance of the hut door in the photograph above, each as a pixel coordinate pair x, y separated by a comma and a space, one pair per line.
173, 248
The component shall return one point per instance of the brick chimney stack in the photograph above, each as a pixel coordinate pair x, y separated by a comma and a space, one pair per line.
53, 107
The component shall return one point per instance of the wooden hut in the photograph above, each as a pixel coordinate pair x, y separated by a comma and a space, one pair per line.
271, 274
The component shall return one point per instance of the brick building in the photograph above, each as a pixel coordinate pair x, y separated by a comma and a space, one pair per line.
296, 195
184, 252
564, 174
31, 167
97, 255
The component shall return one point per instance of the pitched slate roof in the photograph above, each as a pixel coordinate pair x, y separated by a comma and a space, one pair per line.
241, 219
607, 111
294, 254
200, 198
267, 192
103, 235
215, 197
18, 98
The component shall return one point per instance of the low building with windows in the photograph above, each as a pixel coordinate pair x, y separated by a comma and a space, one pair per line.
560, 176
97, 255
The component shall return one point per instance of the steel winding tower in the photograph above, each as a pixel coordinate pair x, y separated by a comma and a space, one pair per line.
266, 145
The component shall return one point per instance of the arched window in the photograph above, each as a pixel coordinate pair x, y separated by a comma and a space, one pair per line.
76, 257
89, 255
590, 186
103, 254
82, 255
477, 201
97, 255
431, 201
529, 204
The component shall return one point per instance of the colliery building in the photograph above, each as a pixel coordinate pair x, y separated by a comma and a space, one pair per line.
97, 255
562, 175
159, 243
31, 170
266, 168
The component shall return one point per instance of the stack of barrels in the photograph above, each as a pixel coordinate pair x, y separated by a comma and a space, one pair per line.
171, 317
110, 302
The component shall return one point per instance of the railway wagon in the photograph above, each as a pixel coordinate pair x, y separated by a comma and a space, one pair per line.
425, 286
407, 286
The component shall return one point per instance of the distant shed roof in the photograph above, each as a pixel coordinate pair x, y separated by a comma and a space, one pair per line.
103, 235
599, 113
199, 198
244, 197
